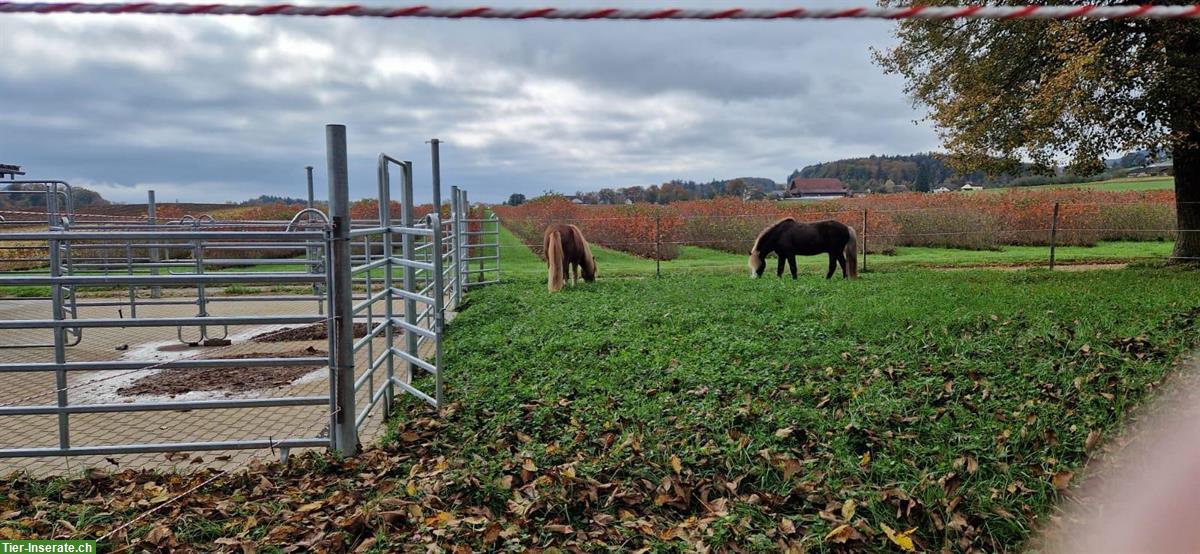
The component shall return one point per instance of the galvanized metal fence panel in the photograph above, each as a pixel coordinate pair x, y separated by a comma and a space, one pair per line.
61, 279
397, 277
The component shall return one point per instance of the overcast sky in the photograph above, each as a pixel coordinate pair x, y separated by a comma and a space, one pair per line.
215, 109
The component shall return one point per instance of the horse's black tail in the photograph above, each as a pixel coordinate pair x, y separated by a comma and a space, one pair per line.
554, 262
852, 253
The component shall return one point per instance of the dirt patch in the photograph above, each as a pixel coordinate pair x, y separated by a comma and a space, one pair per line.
316, 331
173, 382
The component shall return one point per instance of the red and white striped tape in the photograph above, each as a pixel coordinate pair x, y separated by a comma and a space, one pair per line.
1088, 11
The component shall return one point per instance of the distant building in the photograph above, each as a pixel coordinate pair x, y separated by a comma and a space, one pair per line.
575, 199
969, 187
10, 171
1154, 170
816, 189
940, 190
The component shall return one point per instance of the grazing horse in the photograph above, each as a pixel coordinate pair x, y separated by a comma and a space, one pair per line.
566, 248
788, 237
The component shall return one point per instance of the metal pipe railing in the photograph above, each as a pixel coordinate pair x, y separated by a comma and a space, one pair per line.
424, 263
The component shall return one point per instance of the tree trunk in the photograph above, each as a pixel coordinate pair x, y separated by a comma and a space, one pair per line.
1183, 58
1187, 201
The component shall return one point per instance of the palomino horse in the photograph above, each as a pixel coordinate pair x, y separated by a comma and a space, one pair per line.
566, 248
787, 238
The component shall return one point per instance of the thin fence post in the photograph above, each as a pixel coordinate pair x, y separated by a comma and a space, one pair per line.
410, 273
496, 228
466, 204
341, 298
152, 220
864, 239
436, 162
1053, 234
385, 221
456, 224
60, 341
308, 171
129, 271
439, 308
311, 251
657, 245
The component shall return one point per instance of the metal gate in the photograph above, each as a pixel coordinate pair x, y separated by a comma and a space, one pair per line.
56, 324
397, 274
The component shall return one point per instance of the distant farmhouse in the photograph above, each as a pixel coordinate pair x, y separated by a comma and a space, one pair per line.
816, 189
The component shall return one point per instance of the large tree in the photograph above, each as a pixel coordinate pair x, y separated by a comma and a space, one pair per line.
1005, 91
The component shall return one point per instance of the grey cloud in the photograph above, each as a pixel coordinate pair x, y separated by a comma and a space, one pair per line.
205, 106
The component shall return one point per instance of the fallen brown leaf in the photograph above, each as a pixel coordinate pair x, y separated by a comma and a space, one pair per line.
842, 534
1062, 480
395, 518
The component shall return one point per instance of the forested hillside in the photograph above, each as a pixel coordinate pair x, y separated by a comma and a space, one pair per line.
920, 172
34, 196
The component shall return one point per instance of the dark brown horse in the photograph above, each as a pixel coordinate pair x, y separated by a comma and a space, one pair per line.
565, 248
788, 238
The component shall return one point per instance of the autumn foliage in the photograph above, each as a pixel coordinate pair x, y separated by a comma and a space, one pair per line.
974, 221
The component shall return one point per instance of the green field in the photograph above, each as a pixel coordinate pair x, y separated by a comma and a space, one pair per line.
519, 260
1112, 185
956, 397
705, 409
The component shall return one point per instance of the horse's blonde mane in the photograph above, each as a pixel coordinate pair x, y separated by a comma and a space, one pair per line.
768, 230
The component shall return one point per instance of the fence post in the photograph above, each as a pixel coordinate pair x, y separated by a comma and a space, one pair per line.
152, 220
60, 341
341, 299
410, 273
456, 222
864, 239
464, 230
466, 204
436, 162
308, 169
496, 222
657, 245
385, 221
310, 252
439, 308
1053, 234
